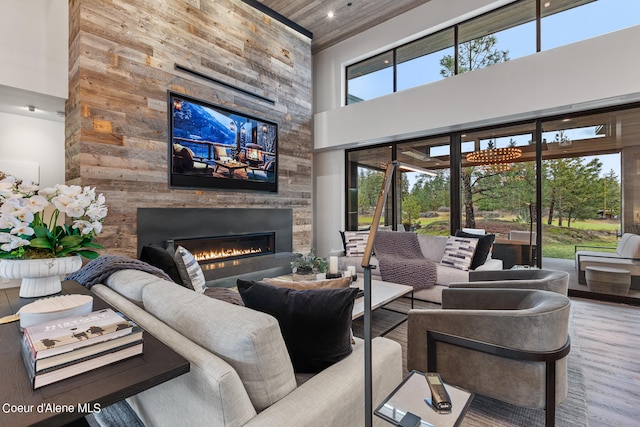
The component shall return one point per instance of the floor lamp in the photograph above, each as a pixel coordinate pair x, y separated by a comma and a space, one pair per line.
366, 265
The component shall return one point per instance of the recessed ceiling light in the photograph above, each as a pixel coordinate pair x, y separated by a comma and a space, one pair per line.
330, 15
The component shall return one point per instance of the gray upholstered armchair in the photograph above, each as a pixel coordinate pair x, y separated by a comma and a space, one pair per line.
529, 278
508, 344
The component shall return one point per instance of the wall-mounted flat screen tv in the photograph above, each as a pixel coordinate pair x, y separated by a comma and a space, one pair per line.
214, 147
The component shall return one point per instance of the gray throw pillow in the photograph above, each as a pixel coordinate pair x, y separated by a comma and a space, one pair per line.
189, 269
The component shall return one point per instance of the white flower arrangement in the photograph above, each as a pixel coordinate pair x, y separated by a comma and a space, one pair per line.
25, 235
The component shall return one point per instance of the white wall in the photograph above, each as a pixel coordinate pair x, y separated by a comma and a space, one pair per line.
34, 57
34, 46
593, 73
23, 139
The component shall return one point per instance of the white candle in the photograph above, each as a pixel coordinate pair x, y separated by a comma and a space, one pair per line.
333, 265
352, 270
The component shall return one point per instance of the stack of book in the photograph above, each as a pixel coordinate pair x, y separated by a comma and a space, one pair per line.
61, 348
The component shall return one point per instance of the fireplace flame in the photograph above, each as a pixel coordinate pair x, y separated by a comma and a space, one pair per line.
225, 253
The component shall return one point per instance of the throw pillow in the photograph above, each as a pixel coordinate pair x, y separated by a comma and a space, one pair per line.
482, 250
458, 252
355, 242
315, 323
342, 282
189, 269
160, 257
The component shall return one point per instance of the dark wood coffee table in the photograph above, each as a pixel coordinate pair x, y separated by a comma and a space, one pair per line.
71, 399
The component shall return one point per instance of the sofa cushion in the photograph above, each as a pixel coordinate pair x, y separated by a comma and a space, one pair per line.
629, 246
482, 249
458, 252
315, 324
432, 247
162, 258
342, 282
130, 283
189, 269
248, 340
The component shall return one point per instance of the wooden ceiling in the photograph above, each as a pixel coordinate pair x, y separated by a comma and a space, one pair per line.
350, 17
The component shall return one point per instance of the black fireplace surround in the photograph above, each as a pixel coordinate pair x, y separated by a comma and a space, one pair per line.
164, 226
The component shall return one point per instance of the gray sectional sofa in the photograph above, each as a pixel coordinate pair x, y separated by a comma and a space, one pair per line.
432, 248
241, 373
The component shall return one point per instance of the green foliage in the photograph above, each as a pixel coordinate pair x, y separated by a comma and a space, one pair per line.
410, 210
369, 184
309, 262
474, 54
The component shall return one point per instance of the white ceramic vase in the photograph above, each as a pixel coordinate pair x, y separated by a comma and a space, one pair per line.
40, 277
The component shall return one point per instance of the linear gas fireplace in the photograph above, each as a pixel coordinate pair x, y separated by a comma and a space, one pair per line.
226, 248
239, 242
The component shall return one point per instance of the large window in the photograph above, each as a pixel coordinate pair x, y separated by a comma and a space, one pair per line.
496, 196
569, 21
504, 34
420, 193
420, 62
370, 78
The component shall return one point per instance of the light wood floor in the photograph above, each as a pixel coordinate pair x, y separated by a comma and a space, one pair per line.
609, 337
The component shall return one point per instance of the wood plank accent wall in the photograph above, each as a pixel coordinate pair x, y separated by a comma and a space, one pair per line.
121, 63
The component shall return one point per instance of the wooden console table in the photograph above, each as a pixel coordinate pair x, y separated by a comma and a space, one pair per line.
513, 252
71, 399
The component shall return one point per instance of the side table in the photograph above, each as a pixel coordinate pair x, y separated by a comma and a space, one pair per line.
71, 399
413, 396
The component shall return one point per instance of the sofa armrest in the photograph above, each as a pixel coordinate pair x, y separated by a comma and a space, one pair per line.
211, 389
613, 248
614, 258
335, 396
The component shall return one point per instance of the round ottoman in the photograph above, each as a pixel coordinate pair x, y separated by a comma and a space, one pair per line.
608, 280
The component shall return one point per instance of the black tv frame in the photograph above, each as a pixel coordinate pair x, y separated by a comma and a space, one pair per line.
256, 130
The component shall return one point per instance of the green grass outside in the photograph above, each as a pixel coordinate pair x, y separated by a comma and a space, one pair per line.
557, 242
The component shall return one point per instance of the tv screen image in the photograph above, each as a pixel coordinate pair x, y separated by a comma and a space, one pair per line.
215, 147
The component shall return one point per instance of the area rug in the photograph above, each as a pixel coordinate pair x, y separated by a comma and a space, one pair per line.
487, 412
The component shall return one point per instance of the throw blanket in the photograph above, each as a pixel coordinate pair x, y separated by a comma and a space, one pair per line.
97, 270
401, 260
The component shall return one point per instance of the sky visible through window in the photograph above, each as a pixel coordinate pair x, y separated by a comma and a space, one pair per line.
580, 23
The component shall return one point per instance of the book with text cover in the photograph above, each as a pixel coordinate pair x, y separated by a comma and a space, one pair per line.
58, 374
78, 354
67, 334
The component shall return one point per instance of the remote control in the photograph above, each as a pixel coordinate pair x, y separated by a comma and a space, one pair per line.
439, 396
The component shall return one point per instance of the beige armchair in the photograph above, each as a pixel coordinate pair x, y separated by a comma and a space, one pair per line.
508, 344
529, 278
